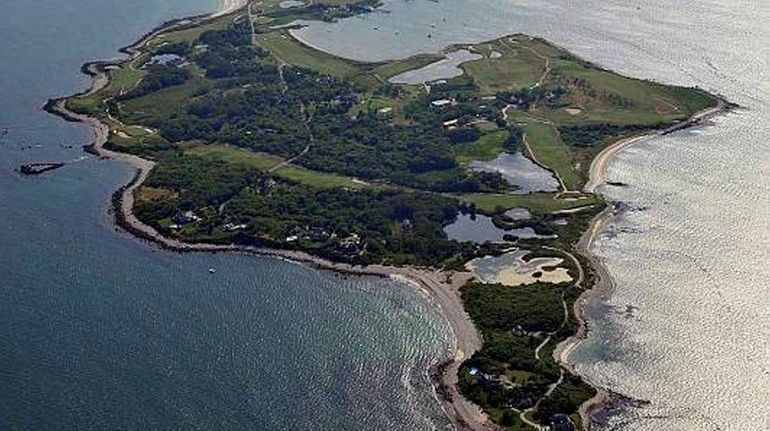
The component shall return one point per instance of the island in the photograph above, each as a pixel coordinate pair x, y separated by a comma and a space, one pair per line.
470, 173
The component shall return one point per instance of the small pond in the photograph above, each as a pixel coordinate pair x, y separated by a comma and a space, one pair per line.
288, 4
511, 269
520, 171
480, 229
518, 214
442, 69
164, 59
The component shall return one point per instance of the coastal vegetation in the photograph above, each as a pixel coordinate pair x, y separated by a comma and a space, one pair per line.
515, 374
261, 140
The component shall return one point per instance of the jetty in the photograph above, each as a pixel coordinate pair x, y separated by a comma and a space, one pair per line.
39, 168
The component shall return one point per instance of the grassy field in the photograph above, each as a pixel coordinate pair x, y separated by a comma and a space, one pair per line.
542, 87
541, 202
125, 79
287, 48
163, 102
548, 148
604, 96
264, 162
261, 161
487, 147
517, 67
370, 102
189, 34
120, 79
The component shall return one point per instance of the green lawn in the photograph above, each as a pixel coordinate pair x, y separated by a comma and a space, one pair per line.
646, 102
162, 103
487, 147
517, 67
125, 79
319, 179
290, 50
120, 79
189, 34
261, 161
548, 148
264, 162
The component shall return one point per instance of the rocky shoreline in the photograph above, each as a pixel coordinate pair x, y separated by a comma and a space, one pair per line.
603, 286
442, 287
444, 294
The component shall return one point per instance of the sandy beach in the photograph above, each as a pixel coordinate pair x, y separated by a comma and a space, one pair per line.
598, 170
229, 6
441, 287
604, 285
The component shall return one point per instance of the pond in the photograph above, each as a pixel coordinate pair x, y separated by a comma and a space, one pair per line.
520, 171
288, 4
480, 229
442, 69
164, 59
511, 269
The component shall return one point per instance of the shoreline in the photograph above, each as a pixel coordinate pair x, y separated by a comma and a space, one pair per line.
603, 284
597, 172
441, 287
444, 294
229, 6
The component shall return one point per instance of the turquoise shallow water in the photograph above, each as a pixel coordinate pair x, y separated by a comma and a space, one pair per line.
100, 331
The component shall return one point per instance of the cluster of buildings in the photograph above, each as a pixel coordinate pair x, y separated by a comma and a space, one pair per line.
184, 218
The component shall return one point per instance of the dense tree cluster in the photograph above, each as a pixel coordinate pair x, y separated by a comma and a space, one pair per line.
565, 399
250, 105
181, 49
159, 76
229, 52
512, 321
401, 227
515, 139
586, 135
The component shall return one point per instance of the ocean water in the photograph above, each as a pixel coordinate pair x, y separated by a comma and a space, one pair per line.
100, 331
687, 328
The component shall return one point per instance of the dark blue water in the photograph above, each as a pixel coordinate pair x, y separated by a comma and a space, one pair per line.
100, 331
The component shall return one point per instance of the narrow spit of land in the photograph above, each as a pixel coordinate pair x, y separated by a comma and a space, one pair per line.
247, 140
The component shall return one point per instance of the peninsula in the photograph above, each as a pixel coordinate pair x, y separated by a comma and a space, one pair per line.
469, 173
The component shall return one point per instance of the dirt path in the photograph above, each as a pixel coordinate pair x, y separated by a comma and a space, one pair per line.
534, 159
306, 118
546, 68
